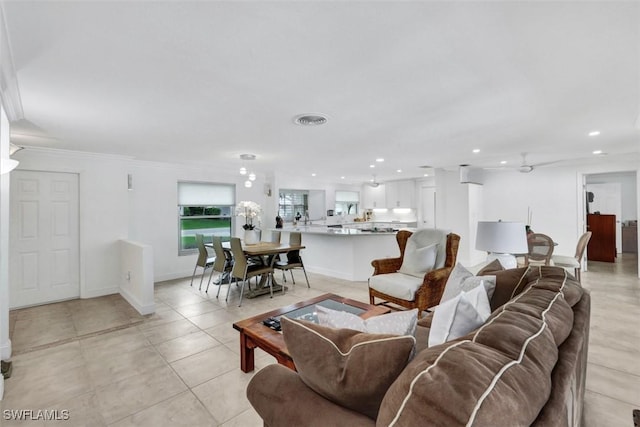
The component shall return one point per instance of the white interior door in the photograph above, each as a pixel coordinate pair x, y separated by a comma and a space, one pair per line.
607, 199
428, 196
44, 238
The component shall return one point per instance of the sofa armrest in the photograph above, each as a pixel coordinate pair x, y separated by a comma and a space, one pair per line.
430, 293
386, 265
282, 399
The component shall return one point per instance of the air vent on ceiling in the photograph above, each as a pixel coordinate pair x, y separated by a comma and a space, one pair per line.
310, 119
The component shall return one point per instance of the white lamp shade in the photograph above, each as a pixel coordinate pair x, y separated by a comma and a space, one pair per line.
502, 237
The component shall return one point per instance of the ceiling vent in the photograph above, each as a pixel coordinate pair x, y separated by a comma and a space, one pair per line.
310, 119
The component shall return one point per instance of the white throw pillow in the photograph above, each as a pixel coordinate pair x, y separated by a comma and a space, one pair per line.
462, 279
418, 261
459, 316
398, 323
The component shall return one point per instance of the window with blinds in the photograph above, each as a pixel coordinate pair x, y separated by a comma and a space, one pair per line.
206, 209
292, 203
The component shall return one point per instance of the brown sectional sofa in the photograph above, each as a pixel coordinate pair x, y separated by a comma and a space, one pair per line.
525, 366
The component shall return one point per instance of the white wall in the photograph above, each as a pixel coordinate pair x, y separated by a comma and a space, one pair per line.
153, 210
103, 200
554, 195
148, 213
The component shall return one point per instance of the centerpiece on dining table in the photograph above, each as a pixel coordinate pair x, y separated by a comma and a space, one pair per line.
251, 212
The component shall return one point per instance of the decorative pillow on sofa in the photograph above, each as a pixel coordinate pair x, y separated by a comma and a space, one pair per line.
462, 279
352, 369
459, 316
397, 323
490, 268
418, 261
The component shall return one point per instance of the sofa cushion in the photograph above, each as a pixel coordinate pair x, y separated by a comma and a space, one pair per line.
397, 323
461, 279
460, 315
509, 283
352, 369
467, 382
418, 261
397, 285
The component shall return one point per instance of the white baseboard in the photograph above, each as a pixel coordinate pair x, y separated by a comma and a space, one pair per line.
93, 293
330, 273
143, 309
174, 276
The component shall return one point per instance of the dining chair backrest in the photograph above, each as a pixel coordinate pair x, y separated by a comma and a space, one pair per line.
295, 239
239, 258
222, 256
202, 251
540, 248
583, 241
274, 237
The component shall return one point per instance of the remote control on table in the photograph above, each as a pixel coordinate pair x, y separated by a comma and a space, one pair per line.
272, 323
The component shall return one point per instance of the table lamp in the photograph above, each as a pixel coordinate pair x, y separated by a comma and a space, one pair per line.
502, 239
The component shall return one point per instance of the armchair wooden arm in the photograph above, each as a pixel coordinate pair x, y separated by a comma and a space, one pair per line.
430, 293
391, 265
386, 265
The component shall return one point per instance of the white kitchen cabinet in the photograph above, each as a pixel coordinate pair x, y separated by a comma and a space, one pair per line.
400, 194
374, 197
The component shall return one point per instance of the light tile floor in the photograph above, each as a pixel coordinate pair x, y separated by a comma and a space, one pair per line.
109, 366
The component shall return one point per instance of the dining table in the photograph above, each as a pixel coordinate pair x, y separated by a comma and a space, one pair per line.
267, 253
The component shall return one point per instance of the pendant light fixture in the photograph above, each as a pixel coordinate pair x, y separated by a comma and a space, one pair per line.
243, 169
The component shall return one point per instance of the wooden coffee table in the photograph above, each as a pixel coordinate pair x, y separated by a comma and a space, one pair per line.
253, 333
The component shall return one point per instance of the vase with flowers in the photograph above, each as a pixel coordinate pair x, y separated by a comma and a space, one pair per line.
251, 212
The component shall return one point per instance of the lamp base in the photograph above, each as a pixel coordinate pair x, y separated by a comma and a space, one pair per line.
506, 260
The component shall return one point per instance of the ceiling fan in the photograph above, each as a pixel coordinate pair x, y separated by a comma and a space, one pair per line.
524, 166
373, 183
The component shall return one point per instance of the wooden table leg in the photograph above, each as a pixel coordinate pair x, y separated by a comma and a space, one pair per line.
246, 353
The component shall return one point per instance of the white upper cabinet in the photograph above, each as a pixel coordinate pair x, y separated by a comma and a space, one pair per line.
400, 194
374, 197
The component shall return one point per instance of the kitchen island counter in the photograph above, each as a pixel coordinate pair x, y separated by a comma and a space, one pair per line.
345, 253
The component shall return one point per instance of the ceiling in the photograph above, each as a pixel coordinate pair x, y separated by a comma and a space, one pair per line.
415, 83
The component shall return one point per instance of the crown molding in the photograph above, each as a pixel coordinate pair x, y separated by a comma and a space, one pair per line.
75, 154
9, 91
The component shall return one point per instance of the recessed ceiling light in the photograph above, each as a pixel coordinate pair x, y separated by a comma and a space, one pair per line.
597, 152
426, 174
313, 174
372, 166
379, 160
504, 162
476, 150
342, 177
310, 119
594, 133
399, 171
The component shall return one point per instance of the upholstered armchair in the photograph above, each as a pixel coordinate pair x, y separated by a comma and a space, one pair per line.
402, 280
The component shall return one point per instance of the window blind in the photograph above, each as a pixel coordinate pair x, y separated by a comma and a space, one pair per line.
205, 194
347, 196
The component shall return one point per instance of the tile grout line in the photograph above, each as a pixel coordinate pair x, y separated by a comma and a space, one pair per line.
76, 338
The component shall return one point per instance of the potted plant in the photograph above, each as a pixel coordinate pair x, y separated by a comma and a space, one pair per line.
251, 212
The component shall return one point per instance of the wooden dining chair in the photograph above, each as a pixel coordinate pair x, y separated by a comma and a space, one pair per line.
244, 270
540, 249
